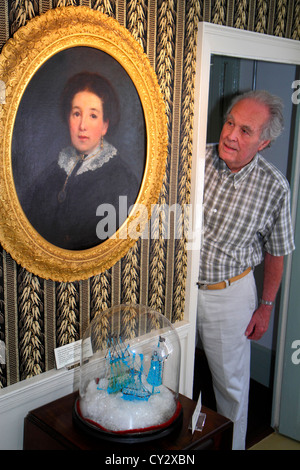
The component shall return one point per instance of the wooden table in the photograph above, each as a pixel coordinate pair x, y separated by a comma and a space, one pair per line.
51, 427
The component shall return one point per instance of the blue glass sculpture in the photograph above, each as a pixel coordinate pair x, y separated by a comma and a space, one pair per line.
129, 375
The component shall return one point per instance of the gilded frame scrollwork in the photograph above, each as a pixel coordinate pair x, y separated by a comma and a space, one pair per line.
43, 37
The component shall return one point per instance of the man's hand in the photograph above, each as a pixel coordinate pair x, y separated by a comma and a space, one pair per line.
259, 322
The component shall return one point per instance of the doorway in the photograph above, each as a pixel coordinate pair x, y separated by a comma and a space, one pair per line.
230, 76
220, 40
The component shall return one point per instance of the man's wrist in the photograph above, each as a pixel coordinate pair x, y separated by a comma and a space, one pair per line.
266, 302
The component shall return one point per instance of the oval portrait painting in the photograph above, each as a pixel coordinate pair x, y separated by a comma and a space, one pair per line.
78, 148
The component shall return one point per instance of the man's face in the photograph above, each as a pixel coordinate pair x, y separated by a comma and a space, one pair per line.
240, 138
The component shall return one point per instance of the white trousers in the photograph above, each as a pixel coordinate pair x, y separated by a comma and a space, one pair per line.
223, 316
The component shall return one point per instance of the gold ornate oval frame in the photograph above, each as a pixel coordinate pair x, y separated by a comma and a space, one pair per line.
21, 57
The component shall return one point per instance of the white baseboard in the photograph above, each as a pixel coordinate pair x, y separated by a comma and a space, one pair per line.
17, 400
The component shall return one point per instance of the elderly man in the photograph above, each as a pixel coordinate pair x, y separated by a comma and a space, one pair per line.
246, 221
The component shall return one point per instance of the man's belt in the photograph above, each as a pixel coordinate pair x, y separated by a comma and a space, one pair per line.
223, 284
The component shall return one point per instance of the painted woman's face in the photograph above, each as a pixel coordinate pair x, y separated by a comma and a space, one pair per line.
86, 123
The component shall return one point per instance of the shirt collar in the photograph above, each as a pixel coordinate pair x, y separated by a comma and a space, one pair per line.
240, 175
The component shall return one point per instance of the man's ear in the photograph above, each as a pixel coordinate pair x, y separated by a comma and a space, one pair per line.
264, 144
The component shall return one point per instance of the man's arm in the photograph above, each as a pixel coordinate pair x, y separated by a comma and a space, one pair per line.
259, 323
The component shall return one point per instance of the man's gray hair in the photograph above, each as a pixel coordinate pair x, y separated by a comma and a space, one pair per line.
275, 124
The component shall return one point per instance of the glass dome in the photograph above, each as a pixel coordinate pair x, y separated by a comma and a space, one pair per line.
129, 375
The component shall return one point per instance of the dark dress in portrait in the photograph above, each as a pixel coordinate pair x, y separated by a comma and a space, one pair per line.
66, 196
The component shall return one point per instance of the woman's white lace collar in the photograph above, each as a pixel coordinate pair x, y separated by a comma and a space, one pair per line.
68, 156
